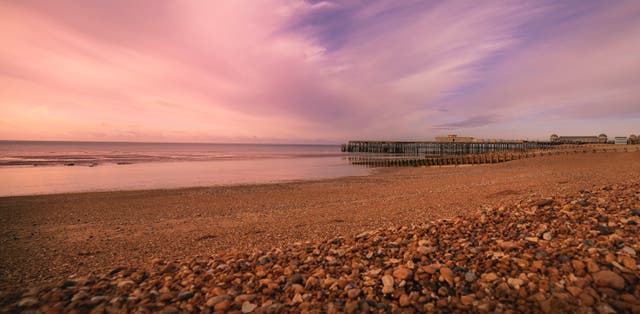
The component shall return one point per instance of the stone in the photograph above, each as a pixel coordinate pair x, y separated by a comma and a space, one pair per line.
575, 291
629, 251
470, 276
126, 284
603, 230
404, 300
508, 245
629, 262
387, 284
28, 302
429, 269
296, 278
545, 202
489, 277
81, 295
170, 310
297, 288
502, 288
98, 299
185, 295
586, 299
353, 293
538, 264
515, 283
467, 299
547, 236
635, 211
402, 273
217, 299
248, 307
446, 274
351, 306
577, 265
609, 278
425, 250
312, 282
603, 308
223, 305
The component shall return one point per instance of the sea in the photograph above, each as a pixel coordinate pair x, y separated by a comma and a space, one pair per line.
39, 167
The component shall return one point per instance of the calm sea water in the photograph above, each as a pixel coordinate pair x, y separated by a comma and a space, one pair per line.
60, 167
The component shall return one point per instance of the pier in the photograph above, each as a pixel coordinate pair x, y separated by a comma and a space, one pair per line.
439, 149
408, 153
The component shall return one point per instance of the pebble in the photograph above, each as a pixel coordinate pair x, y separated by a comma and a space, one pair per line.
425, 250
81, 295
248, 307
609, 278
222, 306
515, 283
629, 250
353, 293
447, 275
387, 284
28, 302
402, 273
492, 261
126, 284
604, 230
184, 295
467, 299
404, 300
470, 276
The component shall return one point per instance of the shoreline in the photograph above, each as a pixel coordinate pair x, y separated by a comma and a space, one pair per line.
47, 238
20, 181
203, 187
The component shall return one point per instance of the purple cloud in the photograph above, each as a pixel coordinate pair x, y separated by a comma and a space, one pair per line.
302, 71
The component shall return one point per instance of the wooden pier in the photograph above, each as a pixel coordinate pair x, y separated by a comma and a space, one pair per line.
437, 149
416, 154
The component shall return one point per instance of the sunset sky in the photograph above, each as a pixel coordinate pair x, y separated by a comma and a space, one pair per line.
317, 72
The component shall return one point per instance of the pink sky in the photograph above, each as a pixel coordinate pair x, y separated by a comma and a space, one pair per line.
317, 72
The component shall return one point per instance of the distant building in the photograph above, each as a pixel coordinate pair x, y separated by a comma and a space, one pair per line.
452, 138
602, 138
620, 140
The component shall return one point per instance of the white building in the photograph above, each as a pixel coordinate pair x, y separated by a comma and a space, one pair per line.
622, 140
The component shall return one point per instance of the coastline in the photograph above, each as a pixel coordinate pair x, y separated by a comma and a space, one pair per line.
170, 175
48, 238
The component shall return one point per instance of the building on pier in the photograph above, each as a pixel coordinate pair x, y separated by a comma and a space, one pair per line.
453, 138
620, 140
600, 139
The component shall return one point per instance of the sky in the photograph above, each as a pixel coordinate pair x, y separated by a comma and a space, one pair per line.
276, 71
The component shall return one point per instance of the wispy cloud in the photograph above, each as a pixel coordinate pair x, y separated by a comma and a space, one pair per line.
301, 71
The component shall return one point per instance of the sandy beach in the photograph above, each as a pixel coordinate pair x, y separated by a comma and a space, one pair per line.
54, 237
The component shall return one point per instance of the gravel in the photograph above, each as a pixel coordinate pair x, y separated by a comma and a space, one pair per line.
482, 262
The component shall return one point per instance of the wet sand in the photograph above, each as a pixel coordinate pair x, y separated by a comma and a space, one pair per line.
52, 237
